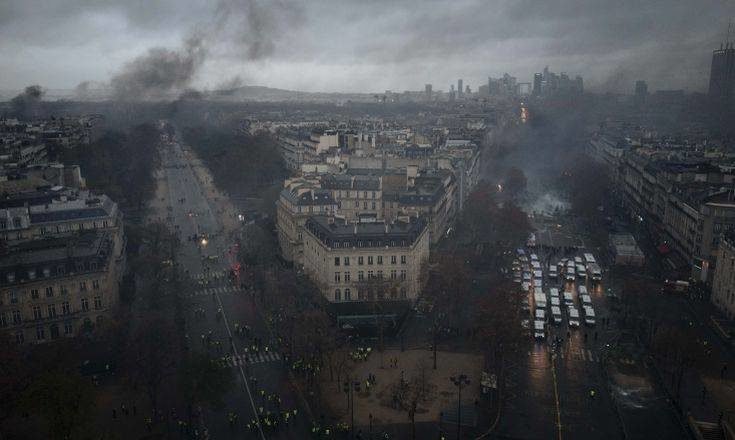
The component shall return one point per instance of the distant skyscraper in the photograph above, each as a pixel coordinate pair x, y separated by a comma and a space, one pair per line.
459, 88
537, 80
427, 91
641, 92
722, 75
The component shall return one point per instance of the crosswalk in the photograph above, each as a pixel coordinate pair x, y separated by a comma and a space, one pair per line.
251, 359
220, 290
212, 275
580, 354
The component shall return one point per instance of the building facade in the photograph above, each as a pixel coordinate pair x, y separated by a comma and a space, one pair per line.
723, 282
59, 287
366, 261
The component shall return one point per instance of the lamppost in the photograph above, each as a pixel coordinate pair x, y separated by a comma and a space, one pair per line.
370, 416
349, 388
459, 381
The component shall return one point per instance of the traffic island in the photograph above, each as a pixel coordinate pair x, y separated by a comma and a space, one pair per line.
395, 387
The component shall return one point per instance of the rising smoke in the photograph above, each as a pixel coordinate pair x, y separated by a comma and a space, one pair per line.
243, 28
27, 105
160, 71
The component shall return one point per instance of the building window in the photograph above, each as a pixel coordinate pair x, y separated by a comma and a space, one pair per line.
51, 309
403, 259
347, 260
347, 277
34, 293
49, 292
361, 294
96, 284
360, 275
60, 270
393, 259
19, 339
37, 313
393, 274
403, 275
85, 305
63, 290
3, 320
373, 205
360, 260
82, 286
97, 302
370, 274
364, 205
403, 293
380, 274
336, 261
393, 293
380, 259
40, 333
17, 318
348, 295
336, 277
68, 328
370, 259
54, 331
13, 295
65, 309
337, 295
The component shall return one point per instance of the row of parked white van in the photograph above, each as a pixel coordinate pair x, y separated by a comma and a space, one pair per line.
577, 268
555, 303
529, 272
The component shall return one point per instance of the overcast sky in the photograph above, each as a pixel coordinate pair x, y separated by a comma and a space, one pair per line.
361, 45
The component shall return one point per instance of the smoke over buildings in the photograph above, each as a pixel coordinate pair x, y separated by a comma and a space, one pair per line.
159, 72
26, 105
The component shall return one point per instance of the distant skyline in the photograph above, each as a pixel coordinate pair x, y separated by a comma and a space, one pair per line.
356, 46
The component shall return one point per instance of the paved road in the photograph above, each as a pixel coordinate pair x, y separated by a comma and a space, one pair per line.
548, 389
207, 262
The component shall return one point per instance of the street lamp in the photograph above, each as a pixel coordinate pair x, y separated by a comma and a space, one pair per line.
349, 388
459, 381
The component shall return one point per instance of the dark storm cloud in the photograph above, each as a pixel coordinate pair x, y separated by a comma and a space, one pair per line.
369, 45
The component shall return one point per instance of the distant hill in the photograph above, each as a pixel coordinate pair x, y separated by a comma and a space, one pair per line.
244, 93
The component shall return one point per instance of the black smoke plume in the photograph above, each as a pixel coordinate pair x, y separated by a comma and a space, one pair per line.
160, 72
27, 104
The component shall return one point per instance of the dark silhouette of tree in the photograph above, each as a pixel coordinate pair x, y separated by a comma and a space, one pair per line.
62, 400
515, 181
203, 381
152, 355
497, 320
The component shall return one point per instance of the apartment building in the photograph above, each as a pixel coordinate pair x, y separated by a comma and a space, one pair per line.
299, 199
58, 287
366, 261
723, 281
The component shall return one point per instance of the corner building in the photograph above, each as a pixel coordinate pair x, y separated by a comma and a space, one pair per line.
366, 261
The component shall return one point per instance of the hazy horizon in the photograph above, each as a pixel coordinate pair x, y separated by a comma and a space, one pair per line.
350, 47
